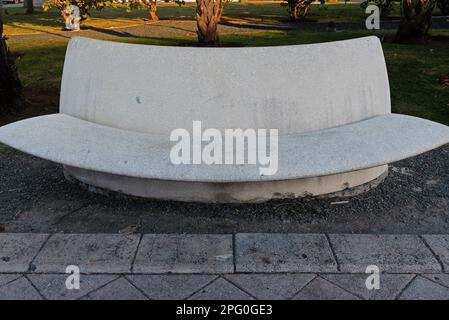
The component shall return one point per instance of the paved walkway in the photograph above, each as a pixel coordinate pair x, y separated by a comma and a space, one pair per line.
223, 266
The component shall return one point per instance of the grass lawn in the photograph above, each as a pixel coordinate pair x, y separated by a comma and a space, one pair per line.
5, 150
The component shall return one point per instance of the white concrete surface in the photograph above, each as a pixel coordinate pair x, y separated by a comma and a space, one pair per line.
156, 89
360, 145
230, 192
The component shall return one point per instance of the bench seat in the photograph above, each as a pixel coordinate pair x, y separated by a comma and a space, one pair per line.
330, 103
364, 144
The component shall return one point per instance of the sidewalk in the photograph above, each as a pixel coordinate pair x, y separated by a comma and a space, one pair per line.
224, 266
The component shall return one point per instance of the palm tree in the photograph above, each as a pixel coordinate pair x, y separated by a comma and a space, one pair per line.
298, 9
10, 86
152, 9
30, 6
416, 19
208, 15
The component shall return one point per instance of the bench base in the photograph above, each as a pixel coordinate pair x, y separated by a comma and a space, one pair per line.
349, 183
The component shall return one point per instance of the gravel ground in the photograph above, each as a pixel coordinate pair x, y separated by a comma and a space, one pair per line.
35, 197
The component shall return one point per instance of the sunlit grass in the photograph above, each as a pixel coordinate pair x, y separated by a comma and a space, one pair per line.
16, 22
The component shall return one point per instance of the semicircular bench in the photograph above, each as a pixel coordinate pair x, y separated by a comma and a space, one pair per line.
330, 103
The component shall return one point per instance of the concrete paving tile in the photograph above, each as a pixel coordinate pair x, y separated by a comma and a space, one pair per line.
424, 289
120, 289
441, 278
17, 250
221, 289
6, 278
320, 289
440, 245
271, 286
276, 252
20, 289
53, 286
171, 286
185, 253
390, 253
390, 285
92, 253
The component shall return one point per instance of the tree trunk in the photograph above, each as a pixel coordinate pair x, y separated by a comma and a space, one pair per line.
30, 6
10, 86
298, 9
207, 18
416, 19
152, 9
220, 9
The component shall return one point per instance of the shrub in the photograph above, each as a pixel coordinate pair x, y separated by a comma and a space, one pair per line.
443, 5
84, 6
385, 6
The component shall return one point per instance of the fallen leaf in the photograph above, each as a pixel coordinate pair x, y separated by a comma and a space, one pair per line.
339, 202
129, 230
223, 257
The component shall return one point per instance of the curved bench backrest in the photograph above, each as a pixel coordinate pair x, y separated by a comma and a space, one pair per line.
156, 89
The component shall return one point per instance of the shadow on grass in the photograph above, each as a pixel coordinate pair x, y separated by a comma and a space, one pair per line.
443, 38
161, 41
5, 150
112, 32
250, 24
39, 18
53, 33
177, 28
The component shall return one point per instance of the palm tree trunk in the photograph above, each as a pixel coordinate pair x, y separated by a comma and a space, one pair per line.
207, 18
30, 6
298, 9
10, 86
416, 19
152, 9
220, 9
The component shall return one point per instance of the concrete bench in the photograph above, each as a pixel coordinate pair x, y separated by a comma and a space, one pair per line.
120, 102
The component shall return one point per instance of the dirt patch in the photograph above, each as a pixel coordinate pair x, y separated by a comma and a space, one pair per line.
37, 101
